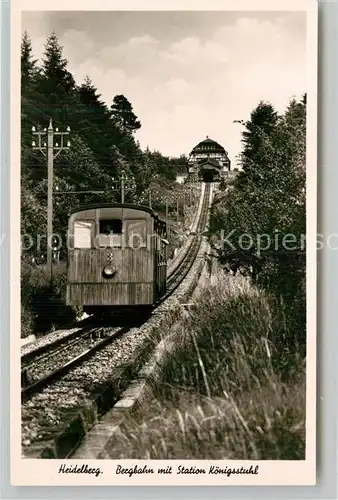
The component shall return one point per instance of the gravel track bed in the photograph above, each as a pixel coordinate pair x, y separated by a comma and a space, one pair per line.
56, 359
35, 356
44, 412
49, 338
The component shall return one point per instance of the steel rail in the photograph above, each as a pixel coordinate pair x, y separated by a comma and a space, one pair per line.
81, 325
40, 384
179, 274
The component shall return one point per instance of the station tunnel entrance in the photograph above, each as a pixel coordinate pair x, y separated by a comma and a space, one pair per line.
209, 175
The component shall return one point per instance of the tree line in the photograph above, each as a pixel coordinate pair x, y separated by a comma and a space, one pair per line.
264, 209
102, 138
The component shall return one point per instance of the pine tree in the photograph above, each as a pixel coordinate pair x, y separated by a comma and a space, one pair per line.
30, 106
29, 72
79, 171
95, 124
57, 86
262, 122
54, 66
28, 63
97, 111
123, 114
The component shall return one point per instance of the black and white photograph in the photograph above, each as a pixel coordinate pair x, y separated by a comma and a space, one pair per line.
164, 179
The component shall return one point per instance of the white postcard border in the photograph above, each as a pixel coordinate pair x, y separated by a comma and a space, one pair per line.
45, 472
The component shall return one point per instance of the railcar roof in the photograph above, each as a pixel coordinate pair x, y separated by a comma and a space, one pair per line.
93, 206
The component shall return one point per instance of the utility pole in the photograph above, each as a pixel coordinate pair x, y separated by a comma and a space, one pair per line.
150, 199
122, 187
123, 183
50, 162
52, 150
177, 210
167, 218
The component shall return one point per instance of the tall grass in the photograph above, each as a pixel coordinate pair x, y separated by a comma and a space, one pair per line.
234, 387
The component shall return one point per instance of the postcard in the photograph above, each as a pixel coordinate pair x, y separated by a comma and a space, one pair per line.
163, 215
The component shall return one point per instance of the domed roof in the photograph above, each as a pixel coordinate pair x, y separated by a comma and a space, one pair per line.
208, 146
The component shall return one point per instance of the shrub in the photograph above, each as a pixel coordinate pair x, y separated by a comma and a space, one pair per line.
43, 303
27, 321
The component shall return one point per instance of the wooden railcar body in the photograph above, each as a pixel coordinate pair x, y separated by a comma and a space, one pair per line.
127, 240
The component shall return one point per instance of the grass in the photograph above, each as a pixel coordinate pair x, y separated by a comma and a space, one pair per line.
234, 387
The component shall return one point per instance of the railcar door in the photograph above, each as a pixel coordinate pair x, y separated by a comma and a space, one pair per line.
160, 258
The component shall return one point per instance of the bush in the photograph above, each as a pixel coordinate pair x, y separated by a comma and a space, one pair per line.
42, 303
27, 321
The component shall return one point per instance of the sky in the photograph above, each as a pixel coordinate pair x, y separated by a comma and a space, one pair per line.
187, 74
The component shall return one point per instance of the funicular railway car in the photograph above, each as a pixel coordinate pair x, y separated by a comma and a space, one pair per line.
117, 257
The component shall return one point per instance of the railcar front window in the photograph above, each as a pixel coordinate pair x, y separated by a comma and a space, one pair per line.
136, 233
83, 234
110, 226
110, 232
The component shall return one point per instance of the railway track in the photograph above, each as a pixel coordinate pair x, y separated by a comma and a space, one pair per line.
29, 359
45, 365
88, 344
180, 272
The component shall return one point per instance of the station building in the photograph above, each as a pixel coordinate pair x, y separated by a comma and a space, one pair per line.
209, 161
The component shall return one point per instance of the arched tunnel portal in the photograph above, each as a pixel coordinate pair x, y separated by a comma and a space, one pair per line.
209, 175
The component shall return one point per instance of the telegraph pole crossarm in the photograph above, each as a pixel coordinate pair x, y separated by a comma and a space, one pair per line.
124, 183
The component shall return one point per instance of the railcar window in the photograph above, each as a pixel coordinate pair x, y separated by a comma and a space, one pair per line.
136, 231
83, 234
110, 226
110, 233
